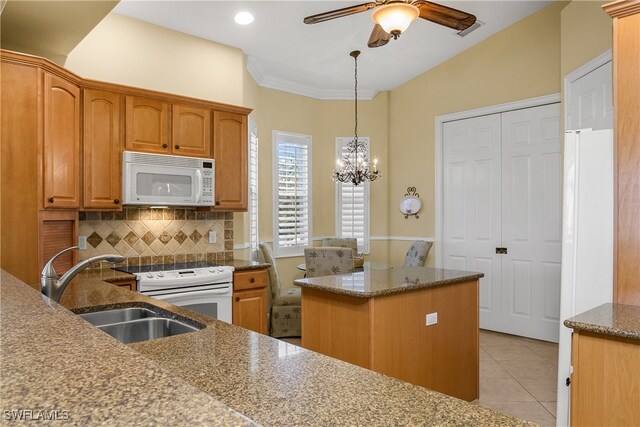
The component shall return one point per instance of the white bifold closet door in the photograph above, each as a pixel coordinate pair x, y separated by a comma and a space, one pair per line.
502, 215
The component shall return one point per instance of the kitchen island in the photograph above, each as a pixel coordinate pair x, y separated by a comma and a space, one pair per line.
220, 375
417, 324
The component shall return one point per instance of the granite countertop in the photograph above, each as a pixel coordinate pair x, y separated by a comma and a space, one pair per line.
618, 320
385, 282
53, 360
242, 265
200, 374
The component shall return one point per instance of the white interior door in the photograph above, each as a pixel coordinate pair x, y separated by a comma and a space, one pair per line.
472, 207
531, 221
502, 188
591, 100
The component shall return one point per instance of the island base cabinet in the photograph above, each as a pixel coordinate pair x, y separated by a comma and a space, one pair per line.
388, 334
605, 384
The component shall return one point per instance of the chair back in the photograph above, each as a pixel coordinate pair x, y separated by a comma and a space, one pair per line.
274, 280
327, 261
417, 253
342, 242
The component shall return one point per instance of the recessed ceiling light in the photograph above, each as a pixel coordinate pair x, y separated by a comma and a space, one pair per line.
243, 18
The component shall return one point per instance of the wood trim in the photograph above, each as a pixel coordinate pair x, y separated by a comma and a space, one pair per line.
622, 8
47, 65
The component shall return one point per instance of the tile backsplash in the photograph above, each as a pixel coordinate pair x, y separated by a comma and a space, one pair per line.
158, 236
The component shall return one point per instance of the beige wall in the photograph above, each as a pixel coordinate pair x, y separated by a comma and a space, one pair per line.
324, 121
586, 33
522, 61
131, 52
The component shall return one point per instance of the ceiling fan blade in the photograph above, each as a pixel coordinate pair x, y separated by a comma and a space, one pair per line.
379, 37
339, 13
447, 16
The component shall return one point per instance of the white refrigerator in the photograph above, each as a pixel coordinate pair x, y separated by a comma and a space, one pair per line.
587, 239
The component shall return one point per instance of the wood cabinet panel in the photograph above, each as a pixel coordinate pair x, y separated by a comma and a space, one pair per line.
626, 86
147, 125
191, 131
61, 143
19, 202
605, 384
230, 151
102, 180
251, 279
250, 310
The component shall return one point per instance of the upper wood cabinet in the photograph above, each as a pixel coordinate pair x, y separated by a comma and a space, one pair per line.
191, 131
61, 143
230, 153
147, 122
102, 144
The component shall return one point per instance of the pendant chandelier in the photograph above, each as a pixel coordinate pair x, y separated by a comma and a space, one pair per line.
354, 166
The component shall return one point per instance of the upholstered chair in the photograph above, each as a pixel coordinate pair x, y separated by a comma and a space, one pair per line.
342, 242
284, 304
417, 253
326, 261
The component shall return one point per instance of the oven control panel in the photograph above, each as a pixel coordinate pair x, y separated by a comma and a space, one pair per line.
184, 278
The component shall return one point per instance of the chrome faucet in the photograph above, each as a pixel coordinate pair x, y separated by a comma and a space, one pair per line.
53, 287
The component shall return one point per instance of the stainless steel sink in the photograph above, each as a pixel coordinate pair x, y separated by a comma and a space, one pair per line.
147, 329
107, 317
137, 324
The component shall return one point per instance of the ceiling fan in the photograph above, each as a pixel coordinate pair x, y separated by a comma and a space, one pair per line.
392, 17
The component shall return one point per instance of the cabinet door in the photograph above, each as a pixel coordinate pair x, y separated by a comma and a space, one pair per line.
101, 150
61, 148
147, 125
250, 310
191, 131
230, 154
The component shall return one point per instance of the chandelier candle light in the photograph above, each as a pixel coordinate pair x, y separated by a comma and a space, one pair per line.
354, 166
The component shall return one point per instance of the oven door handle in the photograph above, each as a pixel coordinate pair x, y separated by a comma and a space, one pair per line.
186, 291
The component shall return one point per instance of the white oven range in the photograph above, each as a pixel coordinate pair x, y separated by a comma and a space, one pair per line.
199, 287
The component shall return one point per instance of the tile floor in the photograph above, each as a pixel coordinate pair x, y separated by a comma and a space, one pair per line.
517, 376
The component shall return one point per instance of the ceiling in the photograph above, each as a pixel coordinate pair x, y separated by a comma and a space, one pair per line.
313, 60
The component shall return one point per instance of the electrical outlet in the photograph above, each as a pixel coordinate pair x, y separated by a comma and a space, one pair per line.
432, 318
213, 237
82, 242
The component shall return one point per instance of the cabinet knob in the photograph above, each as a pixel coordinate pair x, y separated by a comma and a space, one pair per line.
116, 201
217, 202
252, 280
50, 199
164, 145
177, 147
237, 299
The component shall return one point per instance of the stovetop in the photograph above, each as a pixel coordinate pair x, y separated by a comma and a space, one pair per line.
135, 269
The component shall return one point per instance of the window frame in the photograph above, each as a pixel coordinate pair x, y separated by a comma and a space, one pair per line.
293, 138
365, 248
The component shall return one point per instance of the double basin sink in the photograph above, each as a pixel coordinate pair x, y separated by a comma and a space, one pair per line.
135, 324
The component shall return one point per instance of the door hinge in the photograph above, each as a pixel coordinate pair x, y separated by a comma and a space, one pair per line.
568, 381
501, 251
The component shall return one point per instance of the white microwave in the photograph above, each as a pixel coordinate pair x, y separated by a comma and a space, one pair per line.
161, 180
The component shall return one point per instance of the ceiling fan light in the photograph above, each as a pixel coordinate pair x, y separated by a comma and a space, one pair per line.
394, 18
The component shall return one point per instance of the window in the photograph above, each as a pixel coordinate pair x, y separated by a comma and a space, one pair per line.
352, 203
253, 190
291, 193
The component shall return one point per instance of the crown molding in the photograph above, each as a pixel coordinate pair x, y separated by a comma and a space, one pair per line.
270, 82
622, 8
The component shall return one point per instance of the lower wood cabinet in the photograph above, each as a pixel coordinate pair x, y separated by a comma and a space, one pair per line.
250, 302
130, 285
605, 383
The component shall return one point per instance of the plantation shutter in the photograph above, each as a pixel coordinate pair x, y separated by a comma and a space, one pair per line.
253, 190
293, 194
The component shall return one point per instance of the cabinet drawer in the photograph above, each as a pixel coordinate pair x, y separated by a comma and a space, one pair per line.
251, 279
